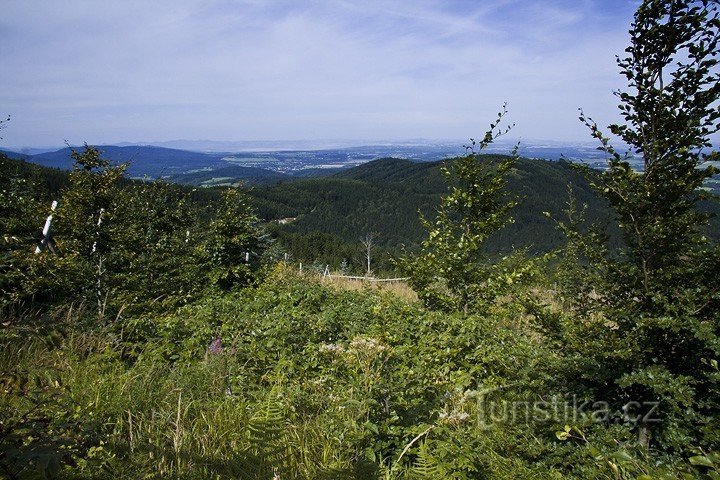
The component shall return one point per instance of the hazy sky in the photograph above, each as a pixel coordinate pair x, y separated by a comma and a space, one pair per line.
122, 70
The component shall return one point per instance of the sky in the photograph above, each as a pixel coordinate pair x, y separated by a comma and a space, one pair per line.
104, 72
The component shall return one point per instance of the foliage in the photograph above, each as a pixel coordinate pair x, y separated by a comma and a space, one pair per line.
17, 202
234, 241
210, 370
3, 124
41, 428
291, 377
88, 202
300, 380
452, 270
124, 246
87, 210
385, 195
657, 296
155, 259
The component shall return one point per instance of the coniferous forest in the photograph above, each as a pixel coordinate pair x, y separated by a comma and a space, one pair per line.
554, 321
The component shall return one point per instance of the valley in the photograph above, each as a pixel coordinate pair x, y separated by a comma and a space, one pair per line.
254, 166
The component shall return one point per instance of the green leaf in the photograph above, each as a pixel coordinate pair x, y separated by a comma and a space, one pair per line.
702, 461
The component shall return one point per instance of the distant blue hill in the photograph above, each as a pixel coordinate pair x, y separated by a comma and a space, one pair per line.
153, 162
180, 166
14, 155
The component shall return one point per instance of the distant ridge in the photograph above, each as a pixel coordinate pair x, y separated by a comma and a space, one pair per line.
180, 166
232, 146
14, 155
154, 162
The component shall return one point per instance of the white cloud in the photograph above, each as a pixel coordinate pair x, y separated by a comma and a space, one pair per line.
106, 71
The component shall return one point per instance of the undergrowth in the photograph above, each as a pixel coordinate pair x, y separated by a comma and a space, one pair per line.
292, 379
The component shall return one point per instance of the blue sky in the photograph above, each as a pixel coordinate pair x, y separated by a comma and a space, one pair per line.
141, 71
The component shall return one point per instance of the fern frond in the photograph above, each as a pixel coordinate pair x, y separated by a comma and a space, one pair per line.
426, 466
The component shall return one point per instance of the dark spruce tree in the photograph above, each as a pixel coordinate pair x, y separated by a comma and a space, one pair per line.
3, 124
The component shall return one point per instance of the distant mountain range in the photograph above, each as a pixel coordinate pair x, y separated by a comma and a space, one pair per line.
183, 166
215, 146
255, 165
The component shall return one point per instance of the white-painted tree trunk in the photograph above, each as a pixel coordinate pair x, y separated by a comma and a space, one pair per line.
44, 242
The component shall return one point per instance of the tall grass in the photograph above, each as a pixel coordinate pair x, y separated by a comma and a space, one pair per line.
304, 380
399, 289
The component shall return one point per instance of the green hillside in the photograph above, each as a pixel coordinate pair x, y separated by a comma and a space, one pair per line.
328, 215
384, 197
231, 175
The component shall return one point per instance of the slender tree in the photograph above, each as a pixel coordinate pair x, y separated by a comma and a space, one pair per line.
660, 296
233, 242
368, 246
86, 210
452, 271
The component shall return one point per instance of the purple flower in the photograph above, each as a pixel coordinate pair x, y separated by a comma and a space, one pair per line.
215, 347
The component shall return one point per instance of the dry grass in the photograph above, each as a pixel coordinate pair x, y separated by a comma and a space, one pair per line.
399, 288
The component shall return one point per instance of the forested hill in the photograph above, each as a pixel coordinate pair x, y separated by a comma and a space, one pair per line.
325, 217
330, 214
425, 175
178, 166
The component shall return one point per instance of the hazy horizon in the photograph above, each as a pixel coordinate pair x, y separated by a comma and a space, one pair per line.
148, 72
239, 146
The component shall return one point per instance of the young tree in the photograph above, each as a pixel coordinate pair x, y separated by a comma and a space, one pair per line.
452, 272
660, 295
234, 241
156, 236
368, 245
88, 202
85, 212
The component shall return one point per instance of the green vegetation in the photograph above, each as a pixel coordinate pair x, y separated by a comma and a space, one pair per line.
660, 290
384, 196
121, 245
158, 335
452, 272
230, 174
